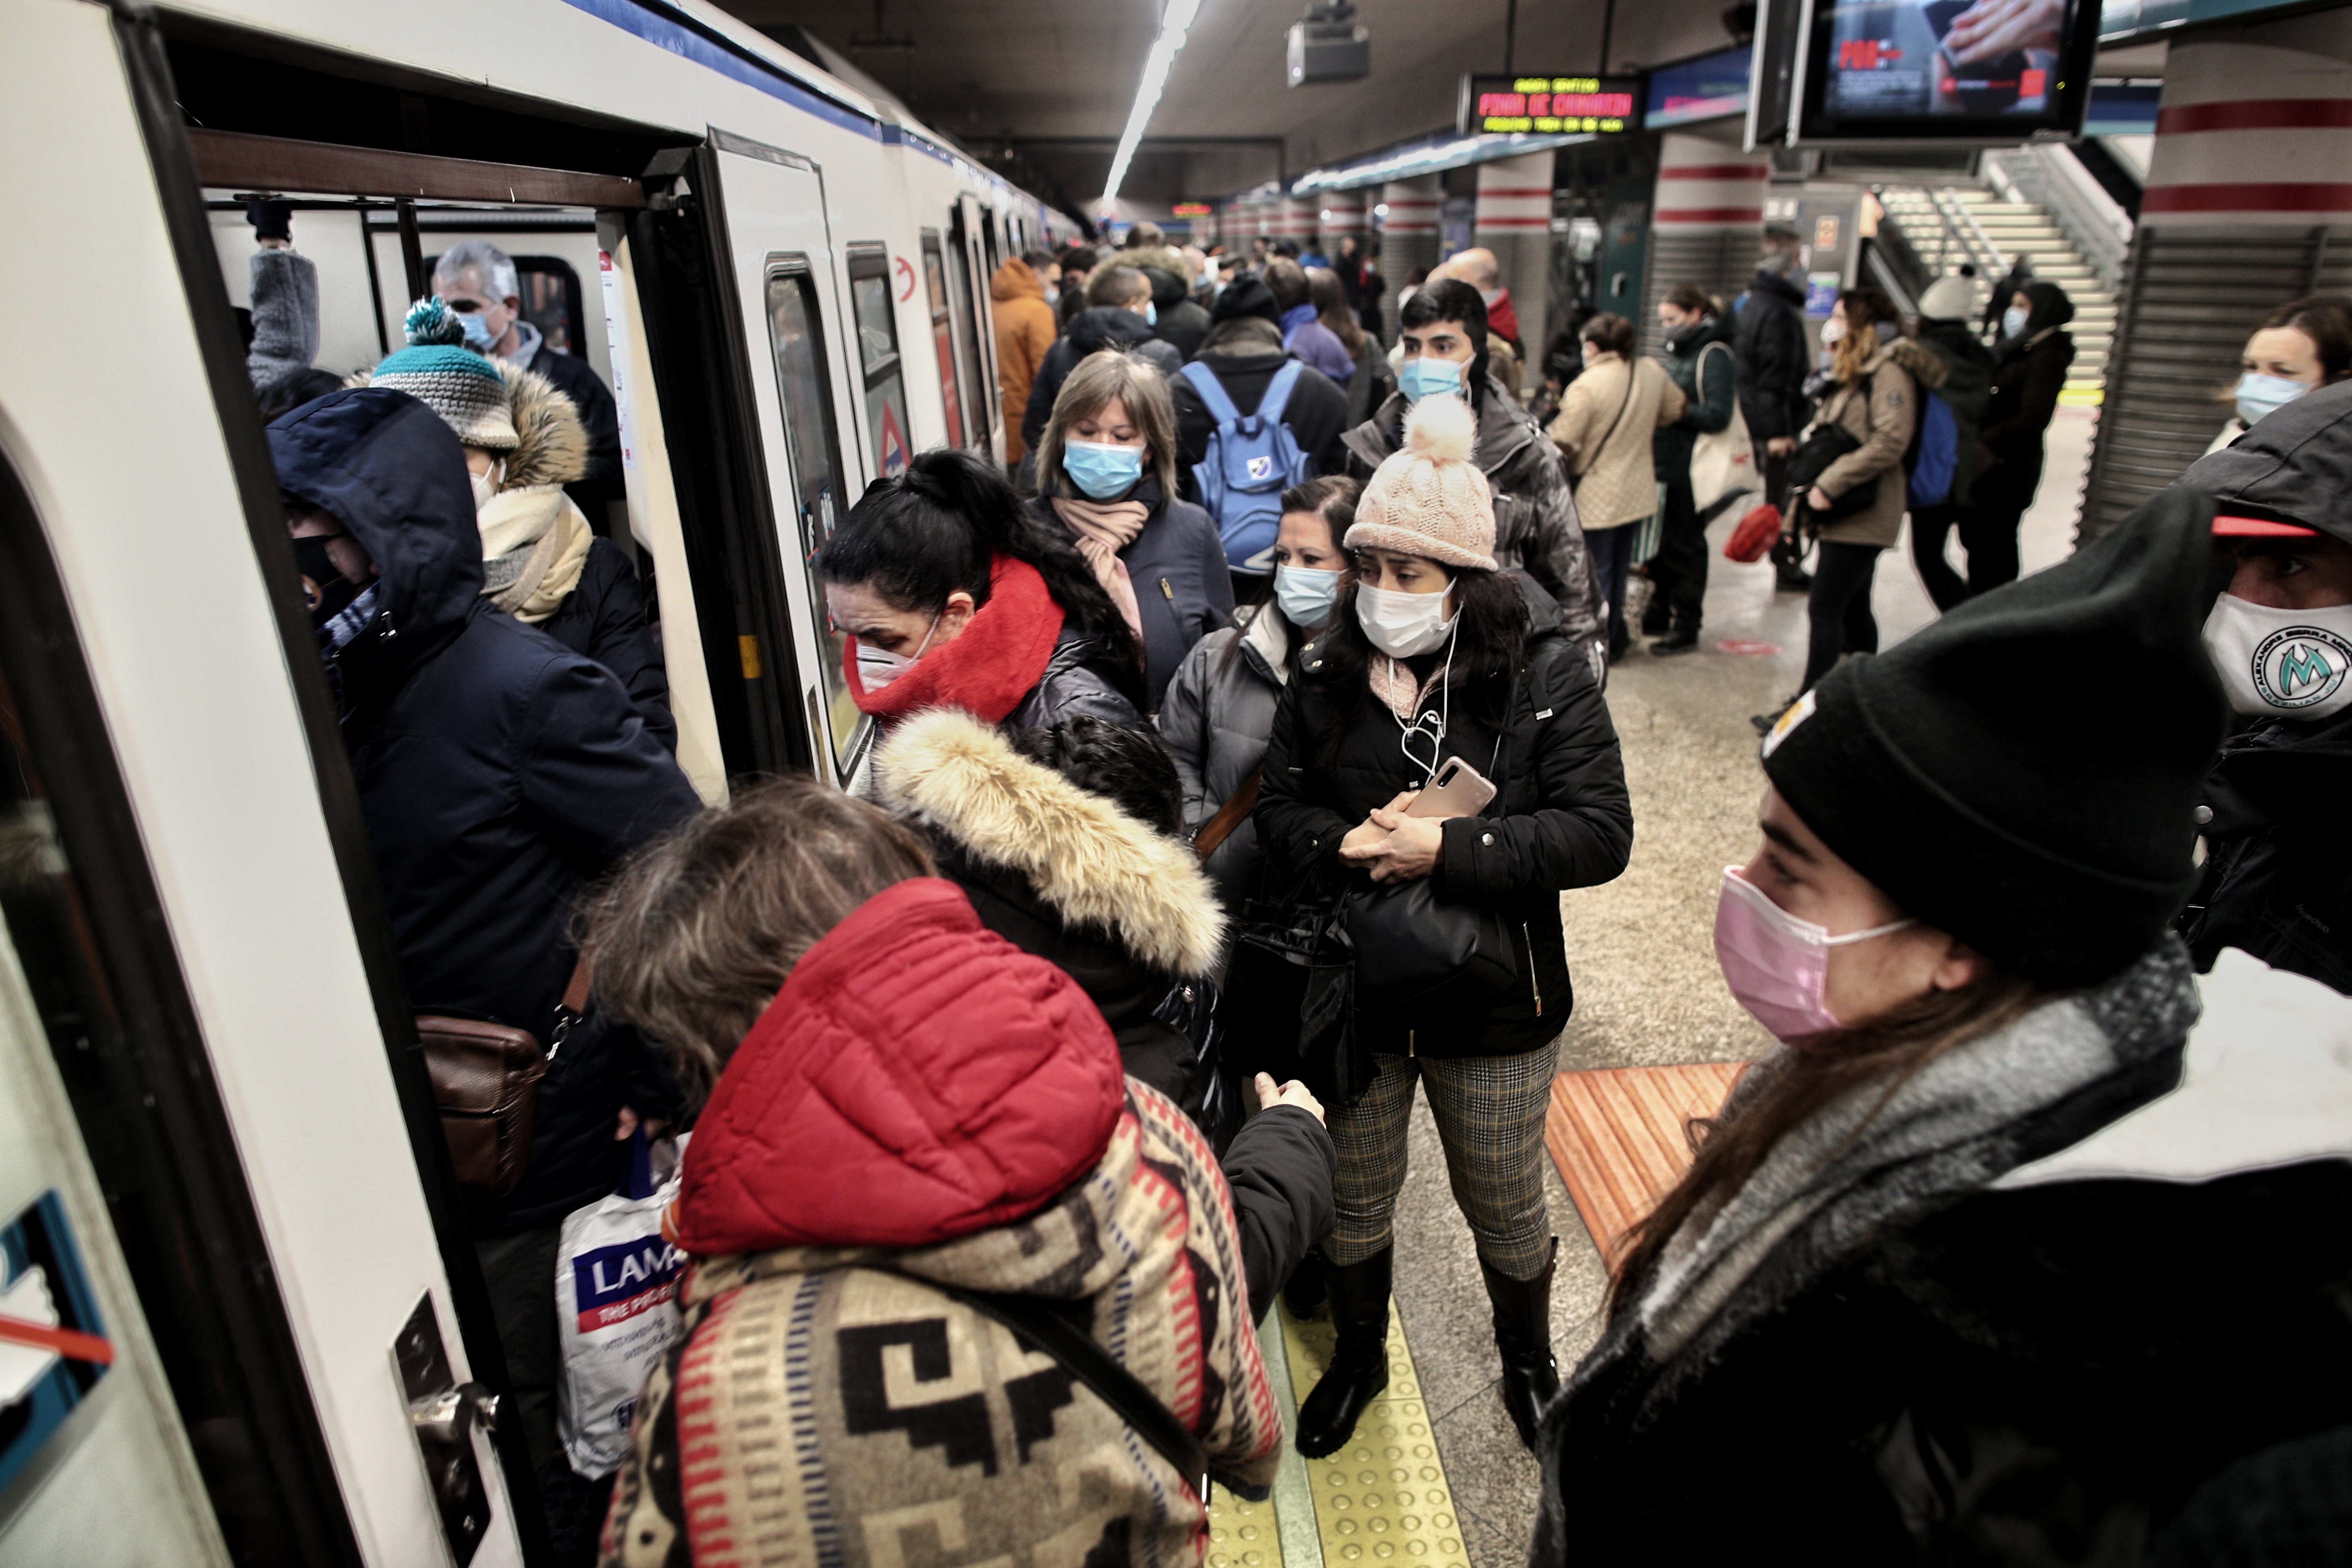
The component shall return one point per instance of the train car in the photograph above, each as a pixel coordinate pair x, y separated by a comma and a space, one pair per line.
240, 1318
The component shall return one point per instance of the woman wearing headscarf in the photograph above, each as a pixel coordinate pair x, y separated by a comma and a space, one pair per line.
1438, 657
2029, 371
1107, 480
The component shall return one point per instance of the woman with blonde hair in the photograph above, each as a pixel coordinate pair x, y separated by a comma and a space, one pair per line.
1106, 476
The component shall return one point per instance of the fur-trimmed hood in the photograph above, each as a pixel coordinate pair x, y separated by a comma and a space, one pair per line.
1087, 861
1926, 365
550, 441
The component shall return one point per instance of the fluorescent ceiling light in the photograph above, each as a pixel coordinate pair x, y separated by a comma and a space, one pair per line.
1173, 21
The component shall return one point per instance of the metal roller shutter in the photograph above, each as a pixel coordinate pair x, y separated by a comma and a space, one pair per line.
2190, 298
1720, 260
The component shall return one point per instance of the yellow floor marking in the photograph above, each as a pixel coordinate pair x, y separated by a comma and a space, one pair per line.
1383, 1499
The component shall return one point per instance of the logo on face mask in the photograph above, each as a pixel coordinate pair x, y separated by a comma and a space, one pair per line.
2301, 667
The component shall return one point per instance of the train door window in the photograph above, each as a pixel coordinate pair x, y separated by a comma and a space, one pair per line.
988, 240
961, 299
935, 290
552, 299
878, 346
804, 387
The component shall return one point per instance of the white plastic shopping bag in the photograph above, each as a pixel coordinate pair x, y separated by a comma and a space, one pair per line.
616, 1301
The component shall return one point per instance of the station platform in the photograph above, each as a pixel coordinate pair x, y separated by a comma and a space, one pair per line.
1437, 1477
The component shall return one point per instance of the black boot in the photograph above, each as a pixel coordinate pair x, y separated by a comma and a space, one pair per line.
1682, 639
1304, 1291
1360, 1361
1523, 1335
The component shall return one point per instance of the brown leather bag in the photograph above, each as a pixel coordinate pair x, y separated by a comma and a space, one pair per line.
1219, 827
486, 1082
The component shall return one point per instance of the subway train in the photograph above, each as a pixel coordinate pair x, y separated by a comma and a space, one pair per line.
222, 1175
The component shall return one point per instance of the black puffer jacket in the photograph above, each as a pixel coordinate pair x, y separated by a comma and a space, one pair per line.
2277, 878
603, 617
499, 774
1561, 819
2029, 371
1082, 680
1769, 344
1181, 324
1091, 330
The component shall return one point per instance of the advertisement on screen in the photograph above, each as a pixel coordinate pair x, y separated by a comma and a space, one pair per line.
1913, 70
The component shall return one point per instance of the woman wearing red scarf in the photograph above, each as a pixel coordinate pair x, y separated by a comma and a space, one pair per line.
952, 597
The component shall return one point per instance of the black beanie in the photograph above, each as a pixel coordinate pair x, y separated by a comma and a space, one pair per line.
1246, 295
2291, 466
2022, 772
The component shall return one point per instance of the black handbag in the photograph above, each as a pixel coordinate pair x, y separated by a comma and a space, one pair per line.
1194, 1008
1410, 945
1828, 443
1291, 979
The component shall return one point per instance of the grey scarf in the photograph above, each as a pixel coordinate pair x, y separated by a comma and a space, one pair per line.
1873, 1161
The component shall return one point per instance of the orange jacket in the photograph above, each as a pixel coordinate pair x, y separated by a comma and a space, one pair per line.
1024, 331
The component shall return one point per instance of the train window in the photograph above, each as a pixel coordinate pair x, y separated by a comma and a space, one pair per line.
802, 385
551, 300
877, 345
961, 299
935, 290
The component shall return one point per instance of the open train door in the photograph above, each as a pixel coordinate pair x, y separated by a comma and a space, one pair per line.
227, 1334
802, 351
973, 239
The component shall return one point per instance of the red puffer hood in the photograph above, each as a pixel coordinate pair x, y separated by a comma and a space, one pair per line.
918, 1078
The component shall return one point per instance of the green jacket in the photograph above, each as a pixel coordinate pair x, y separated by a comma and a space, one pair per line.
1705, 409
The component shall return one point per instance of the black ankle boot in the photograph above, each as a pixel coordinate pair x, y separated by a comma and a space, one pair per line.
1360, 1363
1682, 639
1523, 1335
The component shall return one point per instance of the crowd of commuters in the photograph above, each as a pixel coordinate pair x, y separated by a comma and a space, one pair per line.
960, 1046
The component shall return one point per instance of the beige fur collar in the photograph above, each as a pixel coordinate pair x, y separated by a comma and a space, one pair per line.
1090, 861
551, 444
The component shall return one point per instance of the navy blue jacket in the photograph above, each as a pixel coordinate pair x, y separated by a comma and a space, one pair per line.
604, 617
1182, 590
499, 774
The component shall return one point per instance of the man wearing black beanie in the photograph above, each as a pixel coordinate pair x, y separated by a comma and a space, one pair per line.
2277, 878
1920, 1297
1244, 350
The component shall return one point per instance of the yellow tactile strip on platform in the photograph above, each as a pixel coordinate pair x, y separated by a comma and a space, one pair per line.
1379, 1502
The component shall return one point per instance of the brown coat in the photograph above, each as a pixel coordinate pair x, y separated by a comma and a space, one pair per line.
1615, 481
1024, 331
1883, 423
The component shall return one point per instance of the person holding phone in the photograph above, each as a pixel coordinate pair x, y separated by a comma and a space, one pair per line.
1440, 669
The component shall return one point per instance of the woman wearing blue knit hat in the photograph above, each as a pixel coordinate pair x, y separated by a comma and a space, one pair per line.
542, 563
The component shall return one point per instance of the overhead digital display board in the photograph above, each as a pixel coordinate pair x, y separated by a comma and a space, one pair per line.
1989, 71
1550, 105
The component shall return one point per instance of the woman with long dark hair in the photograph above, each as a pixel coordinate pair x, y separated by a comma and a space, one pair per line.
951, 595
1372, 381
1436, 656
1920, 1298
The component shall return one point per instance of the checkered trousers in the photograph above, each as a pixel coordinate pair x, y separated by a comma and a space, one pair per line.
1489, 1112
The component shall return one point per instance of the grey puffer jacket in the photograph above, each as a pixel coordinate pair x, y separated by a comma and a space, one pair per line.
1215, 719
1536, 526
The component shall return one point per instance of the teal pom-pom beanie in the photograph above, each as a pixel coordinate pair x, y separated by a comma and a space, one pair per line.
462, 386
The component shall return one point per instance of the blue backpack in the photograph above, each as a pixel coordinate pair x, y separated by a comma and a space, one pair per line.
1252, 459
1934, 452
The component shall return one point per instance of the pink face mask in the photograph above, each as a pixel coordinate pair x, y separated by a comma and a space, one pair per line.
1776, 964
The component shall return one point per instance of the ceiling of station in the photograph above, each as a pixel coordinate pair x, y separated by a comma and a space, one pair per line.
1042, 88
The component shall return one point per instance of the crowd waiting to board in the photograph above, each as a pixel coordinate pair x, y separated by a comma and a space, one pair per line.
2056, 967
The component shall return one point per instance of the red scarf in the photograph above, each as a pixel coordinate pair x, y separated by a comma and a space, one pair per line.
987, 668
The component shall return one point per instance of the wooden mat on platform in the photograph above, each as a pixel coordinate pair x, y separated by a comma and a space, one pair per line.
1616, 1135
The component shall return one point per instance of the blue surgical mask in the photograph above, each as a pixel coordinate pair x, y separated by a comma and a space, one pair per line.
1151, 312
2013, 320
1305, 596
1417, 378
2260, 395
1103, 472
477, 330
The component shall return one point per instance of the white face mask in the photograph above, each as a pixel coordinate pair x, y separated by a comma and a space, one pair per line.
2013, 321
1402, 624
878, 667
1832, 331
2282, 664
485, 485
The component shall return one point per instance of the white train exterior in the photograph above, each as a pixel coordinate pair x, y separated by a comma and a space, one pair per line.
787, 285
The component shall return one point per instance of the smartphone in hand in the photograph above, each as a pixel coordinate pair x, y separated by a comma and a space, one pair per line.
1458, 790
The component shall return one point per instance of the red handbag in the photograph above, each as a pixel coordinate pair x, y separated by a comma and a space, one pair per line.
1754, 536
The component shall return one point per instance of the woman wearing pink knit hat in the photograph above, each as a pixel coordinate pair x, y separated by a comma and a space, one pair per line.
1461, 972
